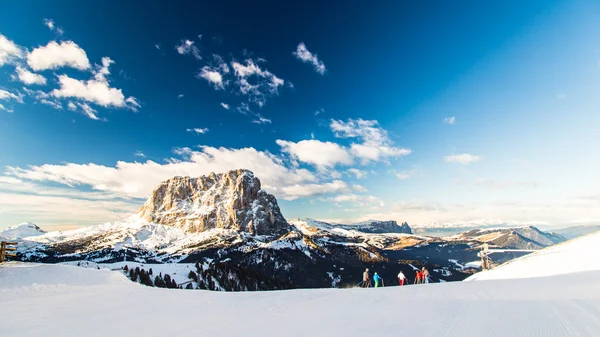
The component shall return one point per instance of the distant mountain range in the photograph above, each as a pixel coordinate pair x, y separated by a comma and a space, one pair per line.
233, 230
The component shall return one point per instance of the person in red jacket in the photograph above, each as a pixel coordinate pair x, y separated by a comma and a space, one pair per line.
419, 277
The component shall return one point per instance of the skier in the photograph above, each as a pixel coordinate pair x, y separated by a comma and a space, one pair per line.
401, 278
366, 279
376, 278
418, 277
425, 275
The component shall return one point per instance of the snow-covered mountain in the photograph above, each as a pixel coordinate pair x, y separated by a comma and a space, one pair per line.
369, 226
24, 230
232, 200
228, 220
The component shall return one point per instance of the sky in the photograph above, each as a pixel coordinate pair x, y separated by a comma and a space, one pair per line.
425, 112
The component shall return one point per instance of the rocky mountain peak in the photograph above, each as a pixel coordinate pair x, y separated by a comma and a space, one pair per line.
231, 200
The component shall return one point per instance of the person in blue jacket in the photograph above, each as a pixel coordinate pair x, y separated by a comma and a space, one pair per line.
376, 278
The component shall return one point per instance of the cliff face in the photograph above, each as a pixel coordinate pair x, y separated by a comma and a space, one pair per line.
232, 200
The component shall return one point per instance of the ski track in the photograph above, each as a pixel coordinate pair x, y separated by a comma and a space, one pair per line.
76, 301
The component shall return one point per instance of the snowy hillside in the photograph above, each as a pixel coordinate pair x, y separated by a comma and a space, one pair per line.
24, 230
578, 255
58, 300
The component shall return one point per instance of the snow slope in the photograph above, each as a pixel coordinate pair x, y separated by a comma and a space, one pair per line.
60, 300
577, 255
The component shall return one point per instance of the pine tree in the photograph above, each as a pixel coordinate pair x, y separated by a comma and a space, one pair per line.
189, 286
193, 276
150, 271
126, 268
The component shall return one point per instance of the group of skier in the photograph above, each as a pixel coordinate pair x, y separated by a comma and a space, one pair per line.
421, 277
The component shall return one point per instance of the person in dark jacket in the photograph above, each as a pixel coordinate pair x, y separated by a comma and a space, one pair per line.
366, 279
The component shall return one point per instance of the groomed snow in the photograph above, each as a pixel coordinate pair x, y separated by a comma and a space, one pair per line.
60, 300
577, 255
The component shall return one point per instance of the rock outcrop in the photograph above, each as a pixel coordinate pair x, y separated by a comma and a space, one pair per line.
232, 200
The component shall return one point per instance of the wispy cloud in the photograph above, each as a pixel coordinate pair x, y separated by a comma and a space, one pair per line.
188, 47
375, 145
225, 106
305, 56
450, 120
359, 174
180, 96
464, 158
53, 27
3, 108
8, 96
404, 175
198, 130
139, 154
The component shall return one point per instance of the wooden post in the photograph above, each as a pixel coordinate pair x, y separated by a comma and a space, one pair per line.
3, 249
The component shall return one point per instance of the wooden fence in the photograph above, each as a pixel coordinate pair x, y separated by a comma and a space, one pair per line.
4, 249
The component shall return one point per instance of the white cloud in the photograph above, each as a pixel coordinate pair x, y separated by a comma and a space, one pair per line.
261, 120
225, 106
188, 47
375, 145
358, 200
139, 179
7, 96
55, 55
103, 71
450, 120
132, 103
404, 175
180, 96
52, 26
377, 152
88, 111
198, 130
139, 154
36, 94
304, 55
9, 51
212, 76
319, 111
157, 46
464, 159
5, 109
68, 208
306, 190
359, 188
357, 173
53, 103
94, 91
264, 83
345, 198
321, 154
28, 77
72, 106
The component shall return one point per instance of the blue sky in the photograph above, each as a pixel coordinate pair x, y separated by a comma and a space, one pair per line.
421, 112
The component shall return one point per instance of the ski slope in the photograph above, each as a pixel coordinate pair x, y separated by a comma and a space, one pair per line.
554, 292
62, 300
578, 255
